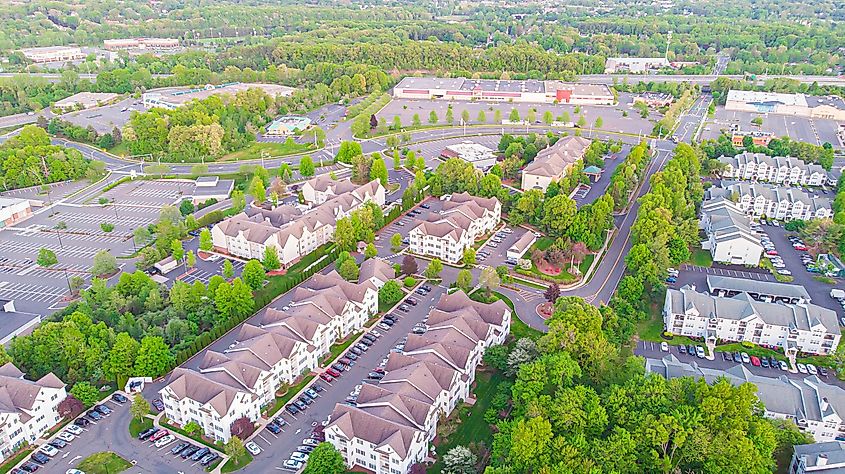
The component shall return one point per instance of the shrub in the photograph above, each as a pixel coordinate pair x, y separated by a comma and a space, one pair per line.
410, 282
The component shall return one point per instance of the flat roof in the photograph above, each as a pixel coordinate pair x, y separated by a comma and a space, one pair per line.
85, 98
182, 95
14, 323
48, 49
7, 201
526, 86
715, 282
767, 97
530, 85
430, 83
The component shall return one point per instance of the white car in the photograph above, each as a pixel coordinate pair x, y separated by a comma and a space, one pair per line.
784, 272
164, 441
73, 429
783, 366
812, 369
74, 471
49, 450
664, 346
507, 230
253, 448
292, 465
65, 436
301, 457
801, 368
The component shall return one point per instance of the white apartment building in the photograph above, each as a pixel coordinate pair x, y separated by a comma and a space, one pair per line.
462, 220
729, 235
773, 169
389, 429
764, 200
320, 189
815, 406
554, 163
821, 458
212, 400
376, 271
285, 228
27, 409
803, 326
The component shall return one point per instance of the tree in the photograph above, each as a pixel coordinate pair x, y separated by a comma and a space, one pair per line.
190, 259
325, 459
531, 116
344, 235
514, 115
46, 258
234, 448
415, 121
489, 280
390, 293
482, 117
396, 241
432, 118
348, 270
465, 116
205, 240
228, 269
450, 118
186, 207
548, 117
140, 407
154, 357
242, 428
435, 267
192, 428
271, 259
121, 357
469, 256
409, 265
85, 393
581, 121
558, 214
459, 460
497, 116
141, 235
104, 263
177, 250
238, 200
598, 123
370, 251
76, 284
70, 407
257, 190
464, 280
397, 161
253, 274
378, 170
306, 166
552, 293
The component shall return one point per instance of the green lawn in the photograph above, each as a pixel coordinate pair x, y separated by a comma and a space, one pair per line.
542, 243
136, 426
651, 329
701, 258
273, 149
585, 265
11, 462
103, 463
518, 328
233, 465
121, 149
293, 390
473, 428
196, 437
562, 277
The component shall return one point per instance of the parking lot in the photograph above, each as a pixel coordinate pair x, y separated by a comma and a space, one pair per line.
110, 433
150, 193
105, 119
611, 115
815, 131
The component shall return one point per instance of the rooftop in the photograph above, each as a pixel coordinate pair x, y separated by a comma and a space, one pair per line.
798, 100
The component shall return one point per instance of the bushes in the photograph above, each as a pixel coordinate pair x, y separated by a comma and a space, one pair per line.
212, 217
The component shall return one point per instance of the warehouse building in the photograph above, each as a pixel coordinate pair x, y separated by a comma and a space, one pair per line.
634, 65
51, 54
172, 98
479, 156
84, 100
157, 44
528, 91
830, 107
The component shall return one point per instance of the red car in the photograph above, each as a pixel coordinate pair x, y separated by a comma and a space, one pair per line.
772, 252
755, 361
333, 372
159, 434
326, 377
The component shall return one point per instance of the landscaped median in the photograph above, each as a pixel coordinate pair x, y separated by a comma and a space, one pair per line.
104, 463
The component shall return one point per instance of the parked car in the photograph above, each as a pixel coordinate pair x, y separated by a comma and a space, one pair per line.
310, 442
79, 422
189, 451
699, 352
356, 351
49, 450
383, 326
300, 404
310, 393
58, 443
319, 388
274, 428
333, 372
764, 362
823, 371
682, 349
65, 436
691, 349
745, 358
375, 375
74, 429
802, 368
159, 434
158, 405
119, 398
297, 456
389, 322
144, 435
29, 466
727, 356
737, 357
326, 377
95, 415
199, 454
292, 465
40, 457
165, 441
755, 361
208, 459
812, 369
178, 448
253, 448
783, 366
104, 410
351, 356
305, 449
292, 409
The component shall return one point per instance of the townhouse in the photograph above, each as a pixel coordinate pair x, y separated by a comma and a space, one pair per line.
376, 271
774, 169
730, 238
388, 429
815, 406
764, 200
28, 409
801, 326
462, 220
824, 458
286, 229
212, 400
554, 162
285, 344
320, 189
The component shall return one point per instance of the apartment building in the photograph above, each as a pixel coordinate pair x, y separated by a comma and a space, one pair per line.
462, 220
778, 202
815, 406
285, 228
801, 326
376, 271
773, 169
28, 409
554, 162
729, 235
212, 400
320, 189
822, 458
388, 430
